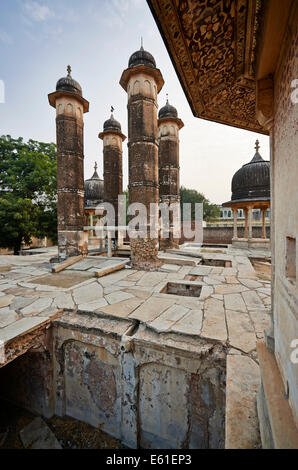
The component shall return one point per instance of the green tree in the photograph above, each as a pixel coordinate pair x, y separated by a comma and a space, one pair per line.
28, 191
210, 211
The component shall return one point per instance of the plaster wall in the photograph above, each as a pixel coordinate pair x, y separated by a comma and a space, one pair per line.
148, 391
285, 204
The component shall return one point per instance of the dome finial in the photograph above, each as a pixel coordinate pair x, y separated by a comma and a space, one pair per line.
257, 146
95, 166
68, 70
141, 48
167, 95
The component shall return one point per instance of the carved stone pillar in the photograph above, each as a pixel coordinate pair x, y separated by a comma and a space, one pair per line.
70, 107
142, 81
169, 170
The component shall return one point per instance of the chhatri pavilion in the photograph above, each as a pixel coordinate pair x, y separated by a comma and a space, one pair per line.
251, 190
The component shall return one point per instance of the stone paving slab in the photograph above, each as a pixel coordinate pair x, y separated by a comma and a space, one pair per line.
93, 306
64, 300
169, 268
214, 325
6, 300
243, 380
229, 289
7, 317
122, 309
190, 324
115, 297
241, 331
19, 327
87, 293
168, 318
200, 271
151, 309
252, 300
234, 302
37, 306
151, 279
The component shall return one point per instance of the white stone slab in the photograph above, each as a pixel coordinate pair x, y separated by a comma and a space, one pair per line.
214, 323
7, 317
20, 327
118, 296
87, 293
241, 331
151, 309
190, 324
6, 300
37, 306
234, 302
169, 317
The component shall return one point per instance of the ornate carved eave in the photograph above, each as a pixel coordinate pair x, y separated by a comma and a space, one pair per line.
212, 44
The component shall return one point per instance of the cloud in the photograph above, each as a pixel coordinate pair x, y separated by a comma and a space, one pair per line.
5, 37
38, 12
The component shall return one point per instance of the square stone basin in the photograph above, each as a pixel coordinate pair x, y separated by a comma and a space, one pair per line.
222, 263
179, 288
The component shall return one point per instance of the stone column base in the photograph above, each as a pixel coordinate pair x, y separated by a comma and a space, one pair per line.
261, 243
240, 242
166, 244
72, 243
144, 254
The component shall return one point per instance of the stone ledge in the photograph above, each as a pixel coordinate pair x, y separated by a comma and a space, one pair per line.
242, 426
279, 430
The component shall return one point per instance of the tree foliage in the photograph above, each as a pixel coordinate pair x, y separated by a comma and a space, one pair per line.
28, 191
210, 211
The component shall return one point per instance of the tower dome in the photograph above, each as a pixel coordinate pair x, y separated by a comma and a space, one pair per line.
167, 111
252, 180
69, 84
94, 189
141, 57
111, 124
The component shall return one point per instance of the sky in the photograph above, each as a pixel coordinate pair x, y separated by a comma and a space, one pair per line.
38, 39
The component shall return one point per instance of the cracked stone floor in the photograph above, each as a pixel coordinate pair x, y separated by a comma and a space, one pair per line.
233, 306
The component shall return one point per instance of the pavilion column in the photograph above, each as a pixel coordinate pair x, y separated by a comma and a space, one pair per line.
249, 222
246, 222
235, 223
263, 223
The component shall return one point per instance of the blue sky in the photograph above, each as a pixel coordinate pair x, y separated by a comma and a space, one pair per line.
38, 39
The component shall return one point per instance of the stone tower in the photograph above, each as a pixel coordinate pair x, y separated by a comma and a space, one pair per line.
169, 171
70, 107
143, 81
112, 138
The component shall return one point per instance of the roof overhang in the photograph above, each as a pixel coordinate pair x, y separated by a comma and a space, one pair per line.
214, 51
254, 203
57, 94
102, 134
155, 73
178, 121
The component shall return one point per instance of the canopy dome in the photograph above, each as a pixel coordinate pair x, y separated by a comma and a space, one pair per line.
167, 111
69, 84
94, 189
141, 57
252, 181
